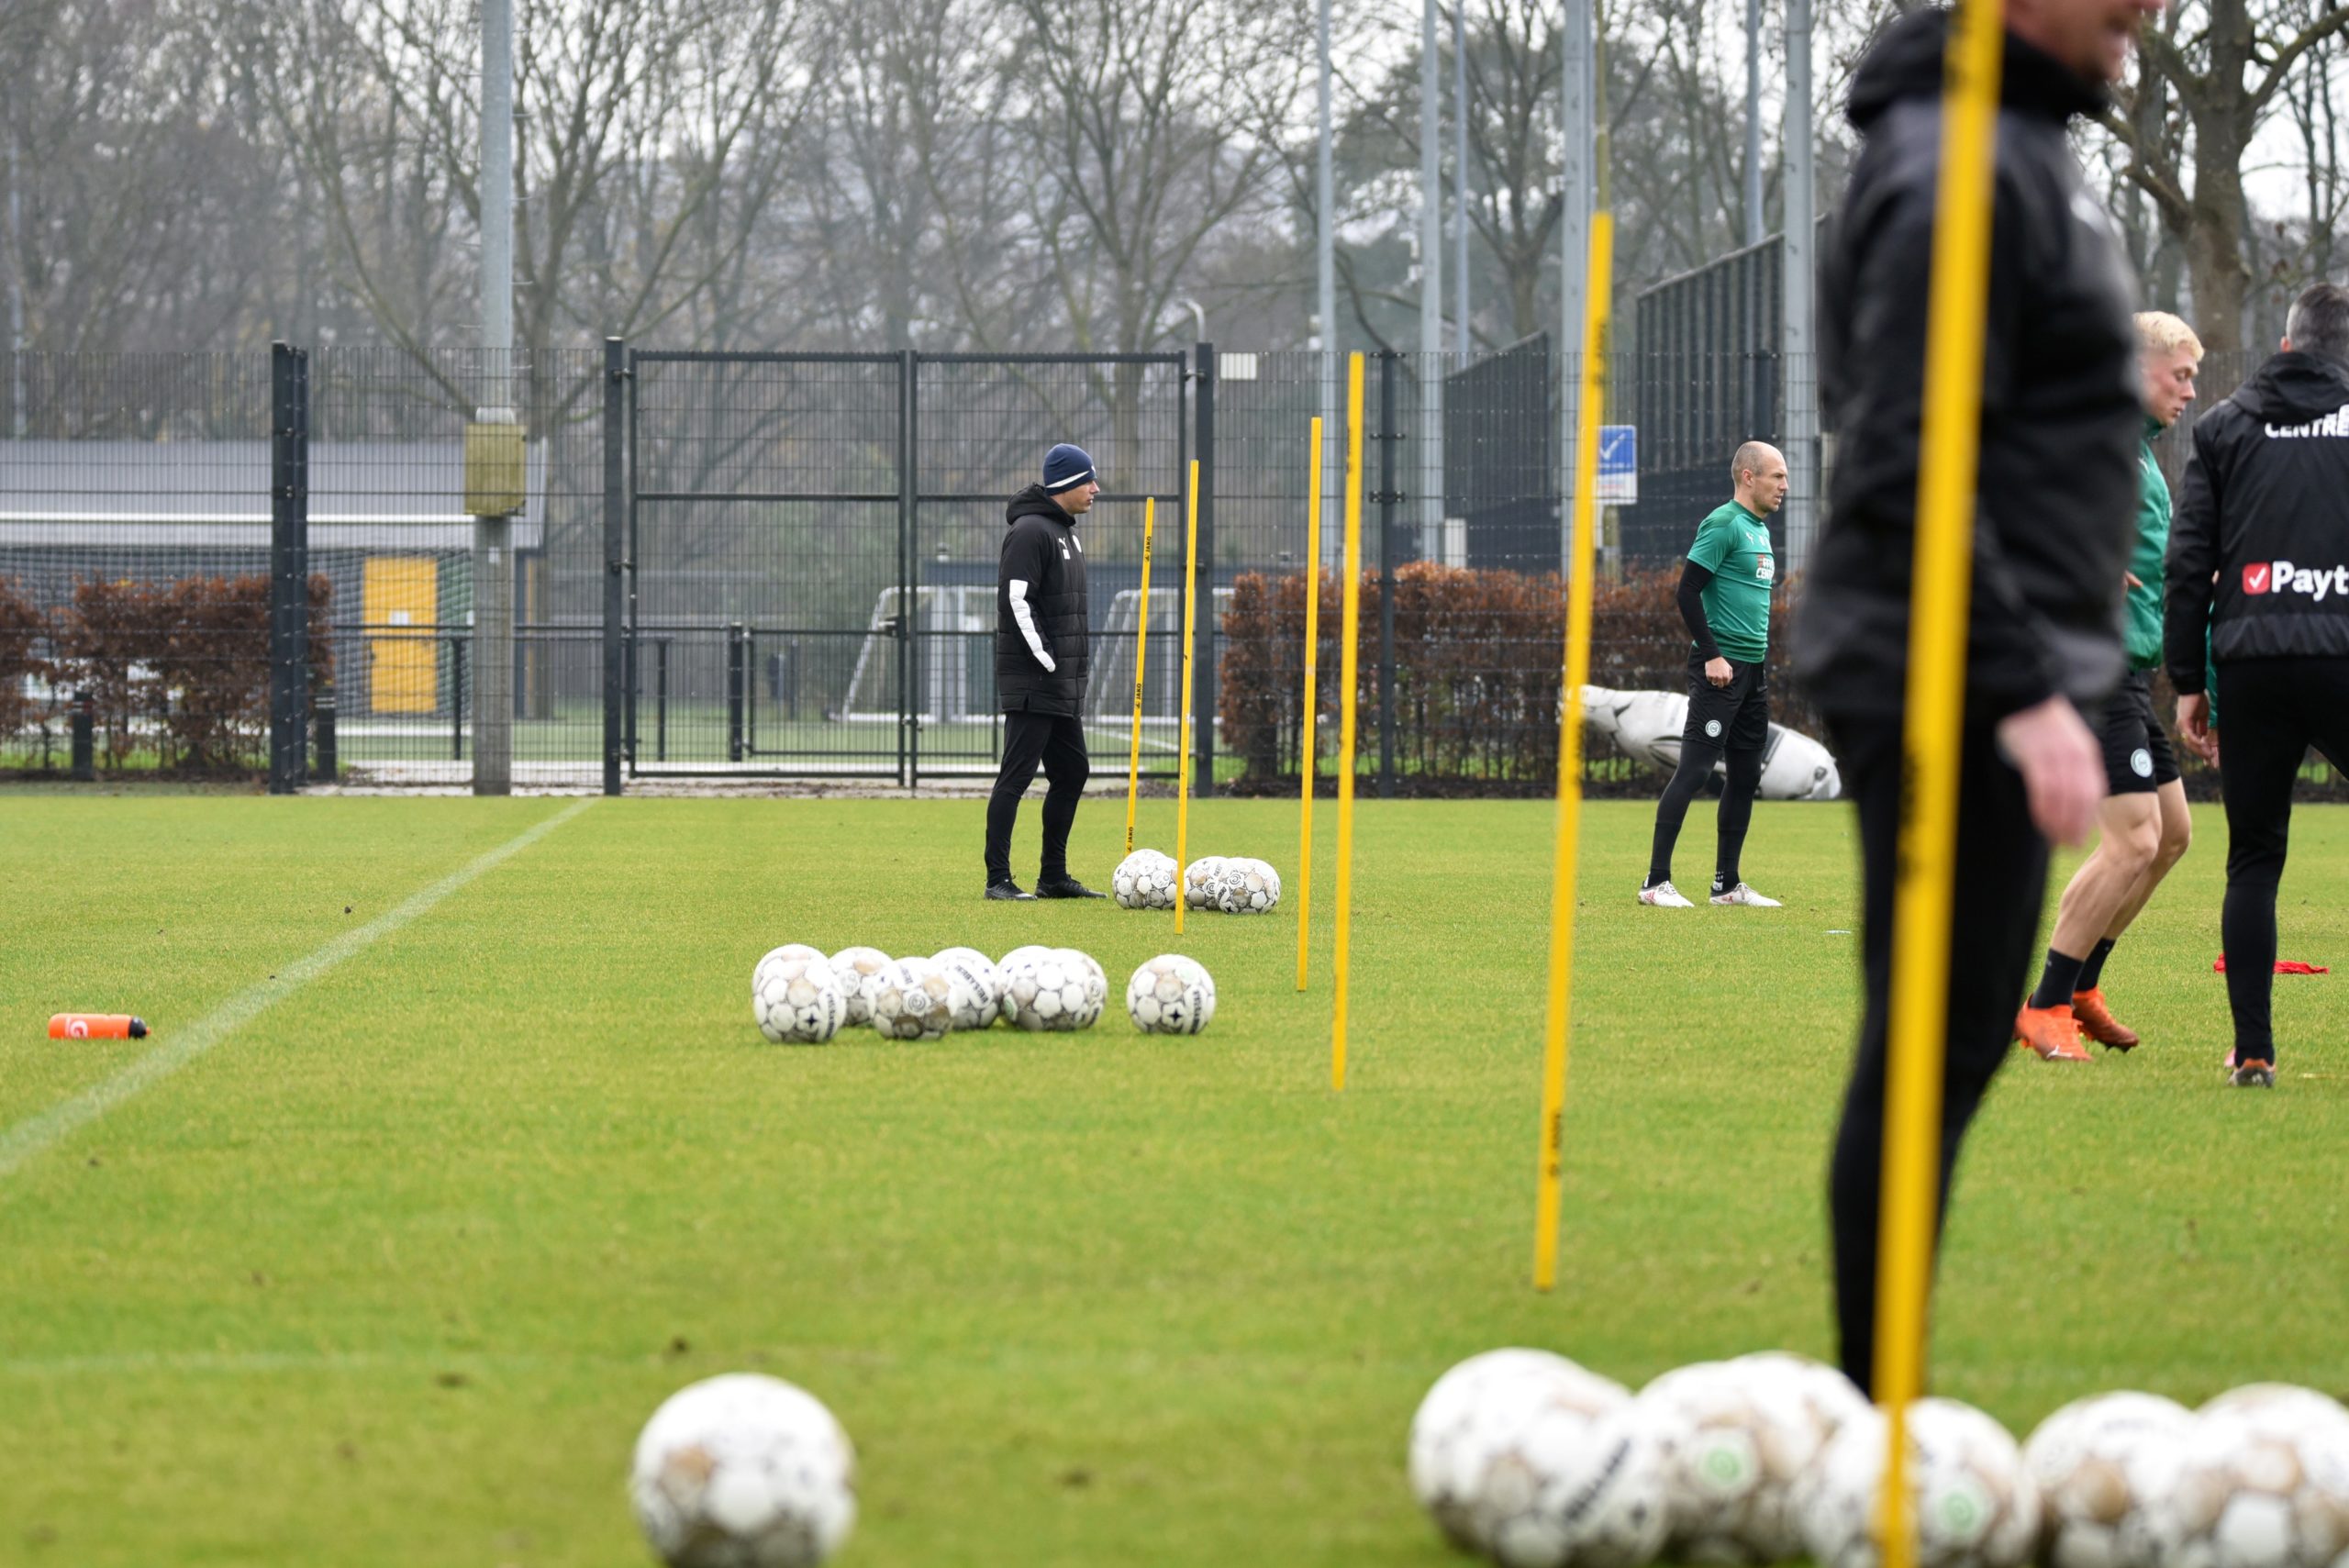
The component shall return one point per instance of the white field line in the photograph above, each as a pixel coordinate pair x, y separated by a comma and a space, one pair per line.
38, 1134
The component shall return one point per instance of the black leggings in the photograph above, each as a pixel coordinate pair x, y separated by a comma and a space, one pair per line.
2273, 711
1698, 759
1057, 741
2001, 883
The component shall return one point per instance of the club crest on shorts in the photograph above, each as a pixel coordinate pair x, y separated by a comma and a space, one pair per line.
2141, 762
1712, 728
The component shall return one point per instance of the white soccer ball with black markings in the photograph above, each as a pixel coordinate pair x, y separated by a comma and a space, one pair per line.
1171, 994
743, 1471
1736, 1434
1975, 1505
1145, 880
918, 1000
2261, 1482
795, 997
1047, 992
2100, 1463
1247, 888
977, 972
1202, 879
857, 969
1095, 981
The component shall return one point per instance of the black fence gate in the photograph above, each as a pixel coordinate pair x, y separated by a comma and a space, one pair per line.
812, 550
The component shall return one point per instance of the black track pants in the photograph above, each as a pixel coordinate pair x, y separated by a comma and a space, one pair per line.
2001, 883
1057, 741
2271, 711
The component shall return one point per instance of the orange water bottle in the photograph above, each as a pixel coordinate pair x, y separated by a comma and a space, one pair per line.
96, 1026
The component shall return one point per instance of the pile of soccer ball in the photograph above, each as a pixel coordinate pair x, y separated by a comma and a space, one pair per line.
1149, 880
801, 996
1536, 1463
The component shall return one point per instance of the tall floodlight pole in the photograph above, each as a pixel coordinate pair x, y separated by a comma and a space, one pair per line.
1460, 173
1575, 137
1430, 507
489, 485
15, 291
1755, 229
1325, 263
1801, 356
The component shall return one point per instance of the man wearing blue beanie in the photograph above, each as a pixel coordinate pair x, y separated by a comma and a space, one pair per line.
1041, 631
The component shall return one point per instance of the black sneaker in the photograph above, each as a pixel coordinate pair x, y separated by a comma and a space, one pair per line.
1064, 887
1008, 889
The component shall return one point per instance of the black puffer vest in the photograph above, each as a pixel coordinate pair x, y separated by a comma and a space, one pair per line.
1040, 548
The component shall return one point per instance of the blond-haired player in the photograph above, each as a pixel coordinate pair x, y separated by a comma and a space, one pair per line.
2144, 826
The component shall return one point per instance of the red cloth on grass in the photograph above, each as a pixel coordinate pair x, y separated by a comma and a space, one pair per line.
2283, 966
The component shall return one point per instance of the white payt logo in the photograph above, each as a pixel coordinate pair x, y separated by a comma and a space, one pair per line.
2320, 583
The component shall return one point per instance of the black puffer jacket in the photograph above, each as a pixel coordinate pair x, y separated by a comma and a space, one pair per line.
1040, 548
2058, 484
2265, 505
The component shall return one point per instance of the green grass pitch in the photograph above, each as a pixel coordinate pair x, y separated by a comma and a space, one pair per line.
393, 1272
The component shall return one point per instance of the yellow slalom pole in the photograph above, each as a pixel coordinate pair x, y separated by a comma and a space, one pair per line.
1183, 758
1312, 708
1942, 581
1575, 671
1142, 651
1349, 633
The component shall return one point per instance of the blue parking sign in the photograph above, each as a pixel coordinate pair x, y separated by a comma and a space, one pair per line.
1619, 465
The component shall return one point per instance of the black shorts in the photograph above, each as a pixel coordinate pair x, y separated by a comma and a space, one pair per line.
2137, 755
1736, 716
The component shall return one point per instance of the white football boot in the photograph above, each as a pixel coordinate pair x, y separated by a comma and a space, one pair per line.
1744, 894
1664, 895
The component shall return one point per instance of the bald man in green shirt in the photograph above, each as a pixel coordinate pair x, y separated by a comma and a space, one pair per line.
1725, 600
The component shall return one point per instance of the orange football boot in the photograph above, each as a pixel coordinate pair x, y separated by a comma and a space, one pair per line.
2049, 1034
2095, 1021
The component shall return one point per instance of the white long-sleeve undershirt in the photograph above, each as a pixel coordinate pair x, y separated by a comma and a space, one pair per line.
1026, 617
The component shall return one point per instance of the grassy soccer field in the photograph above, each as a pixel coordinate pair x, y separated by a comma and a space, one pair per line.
392, 1271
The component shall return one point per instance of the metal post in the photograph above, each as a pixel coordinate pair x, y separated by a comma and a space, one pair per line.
325, 769
16, 279
1326, 267
735, 675
1389, 438
289, 567
85, 741
456, 696
493, 535
659, 699
1430, 452
1799, 361
1460, 174
615, 549
909, 508
1573, 238
1204, 627
1754, 228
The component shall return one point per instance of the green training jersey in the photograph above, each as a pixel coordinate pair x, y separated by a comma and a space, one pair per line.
2144, 627
1734, 546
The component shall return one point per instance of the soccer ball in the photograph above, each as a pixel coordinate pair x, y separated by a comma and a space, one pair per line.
976, 970
796, 997
1200, 880
857, 969
1247, 888
915, 999
743, 1471
1144, 880
1976, 1504
1171, 994
1049, 990
1528, 1457
2098, 1463
1735, 1435
2261, 1482
1095, 982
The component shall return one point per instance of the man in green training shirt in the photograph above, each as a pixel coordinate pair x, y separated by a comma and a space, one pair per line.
2142, 825
1725, 600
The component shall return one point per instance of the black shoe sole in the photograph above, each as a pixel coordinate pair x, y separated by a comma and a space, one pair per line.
1014, 897
1080, 892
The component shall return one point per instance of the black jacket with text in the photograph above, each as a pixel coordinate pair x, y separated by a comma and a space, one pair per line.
1040, 548
2056, 504
2265, 505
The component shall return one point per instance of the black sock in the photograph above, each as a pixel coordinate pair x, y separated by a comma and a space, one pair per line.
1725, 880
2092, 968
2056, 982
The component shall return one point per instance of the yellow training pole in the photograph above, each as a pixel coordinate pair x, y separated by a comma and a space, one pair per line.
1942, 581
1349, 633
1183, 758
1312, 710
1141, 650
1576, 671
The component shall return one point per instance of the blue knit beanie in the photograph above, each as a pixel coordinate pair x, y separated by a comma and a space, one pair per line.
1065, 465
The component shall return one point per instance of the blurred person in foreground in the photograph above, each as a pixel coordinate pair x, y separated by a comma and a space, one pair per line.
2143, 827
2055, 497
2266, 508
